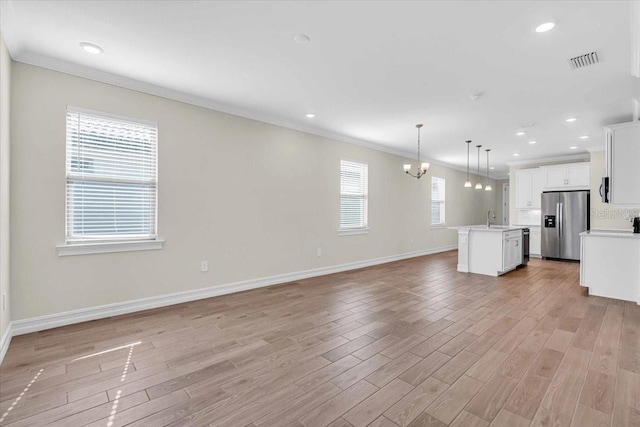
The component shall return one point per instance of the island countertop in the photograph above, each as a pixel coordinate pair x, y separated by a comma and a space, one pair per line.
627, 234
493, 228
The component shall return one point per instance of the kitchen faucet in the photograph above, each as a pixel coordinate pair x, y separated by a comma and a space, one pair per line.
490, 214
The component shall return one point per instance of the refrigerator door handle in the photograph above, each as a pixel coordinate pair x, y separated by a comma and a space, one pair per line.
560, 221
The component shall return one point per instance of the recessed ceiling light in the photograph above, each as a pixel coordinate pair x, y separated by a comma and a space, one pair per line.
492, 168
532, 142
520, 133
571, 119
310, 115
543, 28
301, 38
584, 137
515, 154
573, 148
91, 48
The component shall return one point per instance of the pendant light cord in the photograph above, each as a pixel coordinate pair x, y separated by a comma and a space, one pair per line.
468, 152
488, 149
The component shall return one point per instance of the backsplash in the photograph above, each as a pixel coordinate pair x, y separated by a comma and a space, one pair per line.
528, 217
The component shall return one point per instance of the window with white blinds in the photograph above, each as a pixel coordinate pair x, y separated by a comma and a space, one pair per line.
437, 201
111, 178
353, 195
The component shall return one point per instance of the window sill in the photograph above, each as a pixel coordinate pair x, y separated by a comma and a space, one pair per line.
353, 231
108, 247
438, 226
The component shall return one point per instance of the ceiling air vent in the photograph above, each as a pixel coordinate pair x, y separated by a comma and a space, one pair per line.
585, 60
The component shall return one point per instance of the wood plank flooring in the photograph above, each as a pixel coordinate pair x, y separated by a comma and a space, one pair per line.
410, 343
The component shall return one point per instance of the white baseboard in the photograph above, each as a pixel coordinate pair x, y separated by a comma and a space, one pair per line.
25, 326
5, 340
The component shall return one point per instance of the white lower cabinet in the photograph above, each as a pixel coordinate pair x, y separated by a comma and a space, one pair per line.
535, 241
490, 252
609, 264
511, 250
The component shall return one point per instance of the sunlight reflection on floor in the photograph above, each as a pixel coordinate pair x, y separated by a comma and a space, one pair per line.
21, 396
114, 408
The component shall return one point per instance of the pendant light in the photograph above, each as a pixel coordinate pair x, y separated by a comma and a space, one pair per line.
479, 184
467, 183
422, 167
488, 186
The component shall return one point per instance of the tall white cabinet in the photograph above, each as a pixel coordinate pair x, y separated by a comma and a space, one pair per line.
529, 183
623, 157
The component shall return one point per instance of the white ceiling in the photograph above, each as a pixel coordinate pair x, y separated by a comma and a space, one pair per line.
372, 70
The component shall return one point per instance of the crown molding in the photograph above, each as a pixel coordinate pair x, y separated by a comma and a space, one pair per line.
568, 158
77, 70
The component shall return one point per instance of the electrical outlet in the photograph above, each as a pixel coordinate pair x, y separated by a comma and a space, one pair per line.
319, 252
204, 266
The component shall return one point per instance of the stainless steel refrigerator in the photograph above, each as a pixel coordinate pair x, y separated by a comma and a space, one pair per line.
565, 214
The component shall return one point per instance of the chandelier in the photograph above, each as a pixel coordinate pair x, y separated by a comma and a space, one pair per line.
422, 167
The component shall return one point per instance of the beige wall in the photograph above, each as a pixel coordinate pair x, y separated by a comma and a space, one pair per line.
604, 215
5, 70
253, 199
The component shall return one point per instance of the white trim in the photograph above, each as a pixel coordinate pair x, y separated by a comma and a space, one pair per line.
77, 70
353, 231
108, 247
111, 116
634, 12
570, 157
41, 323
5, 340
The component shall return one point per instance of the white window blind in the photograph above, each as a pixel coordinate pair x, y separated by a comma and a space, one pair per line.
111, 178
353, 195
437, 201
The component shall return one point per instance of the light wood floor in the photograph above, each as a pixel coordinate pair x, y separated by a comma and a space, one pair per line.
408, 343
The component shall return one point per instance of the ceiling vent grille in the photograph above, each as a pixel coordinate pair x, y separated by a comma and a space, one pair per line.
585, 60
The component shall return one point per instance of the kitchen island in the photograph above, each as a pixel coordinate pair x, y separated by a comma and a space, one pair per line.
610, 264
492, 251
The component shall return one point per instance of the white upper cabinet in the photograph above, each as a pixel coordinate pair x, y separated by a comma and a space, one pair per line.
574, 176
529, 184
623, 158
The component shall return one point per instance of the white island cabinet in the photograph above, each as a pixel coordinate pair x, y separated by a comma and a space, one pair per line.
490, 251
610, 264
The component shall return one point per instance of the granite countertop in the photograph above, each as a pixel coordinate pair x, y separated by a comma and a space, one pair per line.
628, 234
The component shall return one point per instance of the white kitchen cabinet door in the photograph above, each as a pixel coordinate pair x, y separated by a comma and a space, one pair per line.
578, 176
535, 242
537, 184
623, 152
529, 183
523, 189
573, 176
512, 253
555, 178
